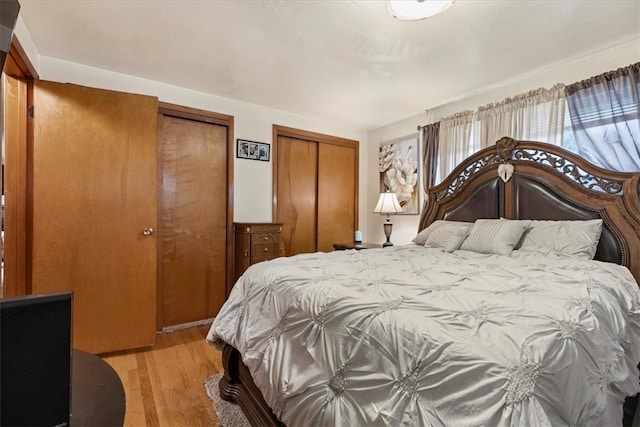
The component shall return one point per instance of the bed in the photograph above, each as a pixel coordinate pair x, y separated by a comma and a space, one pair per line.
457, 328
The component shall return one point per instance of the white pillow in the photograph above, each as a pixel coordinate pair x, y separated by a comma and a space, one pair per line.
447, 236
422, 236
494, 236
578, 239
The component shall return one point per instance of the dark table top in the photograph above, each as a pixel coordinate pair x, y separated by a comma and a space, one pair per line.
355, 245
97, 395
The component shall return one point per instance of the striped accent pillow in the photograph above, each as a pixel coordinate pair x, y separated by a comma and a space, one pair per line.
494, 236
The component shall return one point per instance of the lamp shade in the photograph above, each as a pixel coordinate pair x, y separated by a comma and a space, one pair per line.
412, 10
388, 204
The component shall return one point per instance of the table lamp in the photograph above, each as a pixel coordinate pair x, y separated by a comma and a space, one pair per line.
388, 204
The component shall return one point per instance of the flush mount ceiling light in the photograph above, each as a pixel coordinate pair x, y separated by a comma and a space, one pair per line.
413, 10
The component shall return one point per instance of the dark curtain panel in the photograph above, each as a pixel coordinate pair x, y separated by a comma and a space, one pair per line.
605, 116
430, 145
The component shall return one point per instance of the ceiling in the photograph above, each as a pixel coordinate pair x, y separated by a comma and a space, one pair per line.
343, 60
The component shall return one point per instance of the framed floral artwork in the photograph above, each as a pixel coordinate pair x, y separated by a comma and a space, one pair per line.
398, 166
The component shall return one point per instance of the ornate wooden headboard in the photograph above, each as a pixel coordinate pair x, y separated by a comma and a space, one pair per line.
550, 183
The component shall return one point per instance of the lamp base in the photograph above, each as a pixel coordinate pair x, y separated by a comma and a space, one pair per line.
387, 226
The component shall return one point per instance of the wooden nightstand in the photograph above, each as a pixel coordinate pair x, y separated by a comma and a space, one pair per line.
255, 242
355, 245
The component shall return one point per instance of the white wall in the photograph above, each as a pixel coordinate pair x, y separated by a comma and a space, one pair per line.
406, 226
252, 179
26, 42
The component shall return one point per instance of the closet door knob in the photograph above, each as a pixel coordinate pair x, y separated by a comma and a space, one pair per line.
147, 231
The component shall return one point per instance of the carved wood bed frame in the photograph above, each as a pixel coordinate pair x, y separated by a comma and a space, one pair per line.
548, 182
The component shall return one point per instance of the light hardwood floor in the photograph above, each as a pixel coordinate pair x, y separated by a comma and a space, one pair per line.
164, 384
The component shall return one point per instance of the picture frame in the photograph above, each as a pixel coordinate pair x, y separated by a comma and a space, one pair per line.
253, 150
399, 172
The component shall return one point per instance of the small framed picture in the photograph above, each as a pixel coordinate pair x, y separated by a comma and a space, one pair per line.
253, 150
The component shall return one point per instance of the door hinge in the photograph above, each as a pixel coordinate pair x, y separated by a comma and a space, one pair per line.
30, 111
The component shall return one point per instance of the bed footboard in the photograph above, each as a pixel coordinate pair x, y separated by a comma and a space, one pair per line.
630, 411
237, 386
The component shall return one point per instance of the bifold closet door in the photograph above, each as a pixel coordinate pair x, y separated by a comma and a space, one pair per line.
337, 211
93, 195
297, 181
316, 190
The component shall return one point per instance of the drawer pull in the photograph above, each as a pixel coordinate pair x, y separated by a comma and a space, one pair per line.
266, 249
246, 252
266, 238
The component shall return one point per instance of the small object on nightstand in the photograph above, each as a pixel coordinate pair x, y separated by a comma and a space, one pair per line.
355, 245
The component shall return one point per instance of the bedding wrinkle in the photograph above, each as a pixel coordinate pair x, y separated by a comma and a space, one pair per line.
416, 336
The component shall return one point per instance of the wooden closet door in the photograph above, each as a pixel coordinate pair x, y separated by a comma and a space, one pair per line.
337, 211
193, 220
94, 191
296, 181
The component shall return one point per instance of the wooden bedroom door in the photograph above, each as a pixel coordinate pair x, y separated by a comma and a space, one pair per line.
316, 189
195, 173
93, 194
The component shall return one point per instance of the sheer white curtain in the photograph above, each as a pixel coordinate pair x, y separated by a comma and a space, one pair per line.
537, 115
456, 142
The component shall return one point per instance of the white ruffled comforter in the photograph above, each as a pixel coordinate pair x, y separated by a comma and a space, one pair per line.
410, 336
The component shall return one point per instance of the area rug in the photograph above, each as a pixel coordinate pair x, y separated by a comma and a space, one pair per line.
174, 328
229, 414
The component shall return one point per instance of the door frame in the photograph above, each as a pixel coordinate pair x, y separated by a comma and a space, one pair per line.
284, 131
16, 278
173, 110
